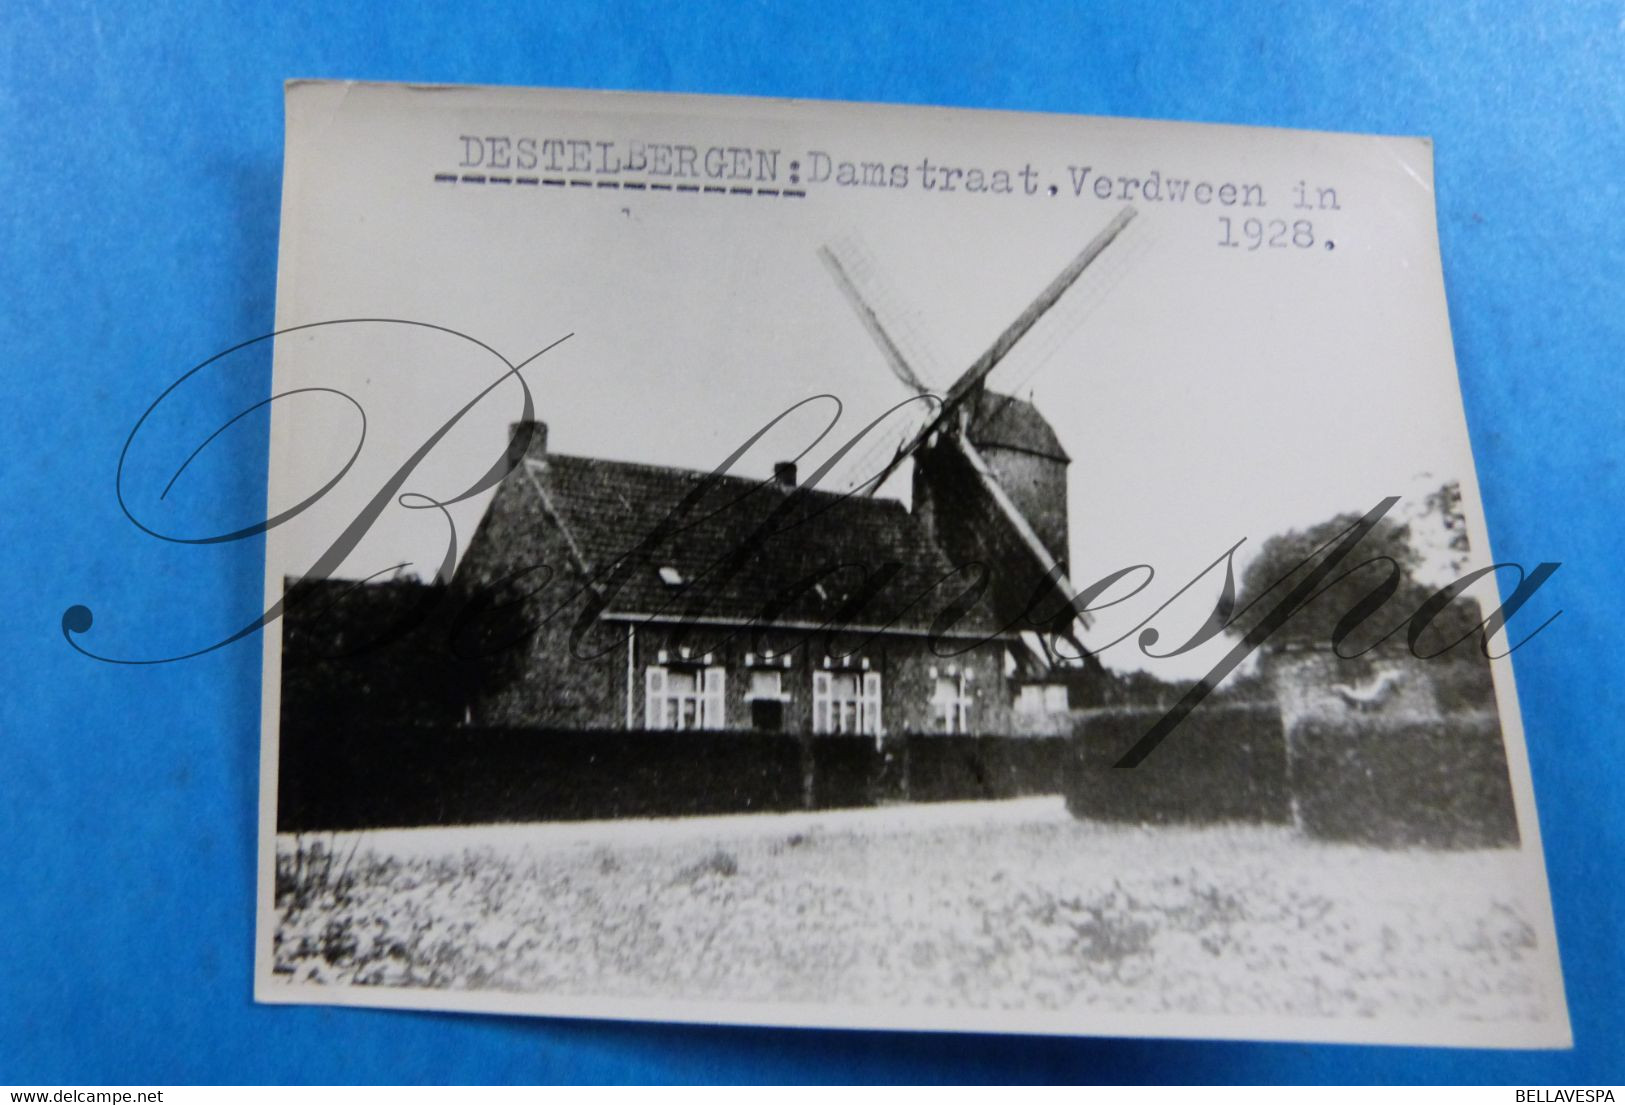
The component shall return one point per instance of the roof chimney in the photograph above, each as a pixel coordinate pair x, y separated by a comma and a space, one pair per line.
784, 473
526, 441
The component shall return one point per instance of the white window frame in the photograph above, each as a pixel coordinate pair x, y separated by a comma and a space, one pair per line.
856, 709
1039, 699
778, 694
950, 713
662, 709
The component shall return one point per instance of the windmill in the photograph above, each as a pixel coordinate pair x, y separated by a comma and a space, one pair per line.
1005, 521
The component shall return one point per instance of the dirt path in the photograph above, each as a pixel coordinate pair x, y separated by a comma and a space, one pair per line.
1004, 906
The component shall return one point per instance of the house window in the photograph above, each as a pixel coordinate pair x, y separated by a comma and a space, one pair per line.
766, 684
846, 702
767, 699
950, 704
1042, 698
684, 696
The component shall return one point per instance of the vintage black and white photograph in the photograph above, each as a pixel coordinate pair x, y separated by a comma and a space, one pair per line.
841, 565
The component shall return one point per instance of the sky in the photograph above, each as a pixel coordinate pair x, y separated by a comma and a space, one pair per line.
1206, 393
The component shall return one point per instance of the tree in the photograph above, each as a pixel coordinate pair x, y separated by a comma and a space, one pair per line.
1372, 595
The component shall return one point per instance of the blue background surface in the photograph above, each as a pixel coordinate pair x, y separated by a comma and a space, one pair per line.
140, 155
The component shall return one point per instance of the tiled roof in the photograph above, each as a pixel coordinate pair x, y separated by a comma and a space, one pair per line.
816, 555
1003, 421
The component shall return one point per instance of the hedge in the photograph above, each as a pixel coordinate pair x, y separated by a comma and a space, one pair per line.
1440, 782
1224, 762
392, 775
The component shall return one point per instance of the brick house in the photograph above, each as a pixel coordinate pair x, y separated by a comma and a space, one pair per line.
665, 598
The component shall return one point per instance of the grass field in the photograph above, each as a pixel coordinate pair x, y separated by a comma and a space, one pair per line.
1024, 910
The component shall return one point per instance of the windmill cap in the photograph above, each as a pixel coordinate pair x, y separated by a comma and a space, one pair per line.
1005, 422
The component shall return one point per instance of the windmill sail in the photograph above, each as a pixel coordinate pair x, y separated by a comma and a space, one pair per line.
1022, 559
1036, 310
857, 277
892, 323
973, 376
